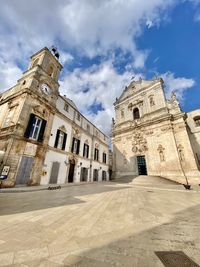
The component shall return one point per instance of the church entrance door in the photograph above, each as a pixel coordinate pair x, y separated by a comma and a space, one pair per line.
142, 168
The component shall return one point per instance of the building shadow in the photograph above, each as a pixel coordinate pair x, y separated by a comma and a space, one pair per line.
11, 203
138, 250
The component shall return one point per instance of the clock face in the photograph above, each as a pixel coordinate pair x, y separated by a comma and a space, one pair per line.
46, 89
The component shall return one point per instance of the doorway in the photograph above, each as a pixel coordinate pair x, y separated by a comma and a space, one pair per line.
103, 175
95, 175
54, 172
24, 171
84, 175
142, 167
71, 171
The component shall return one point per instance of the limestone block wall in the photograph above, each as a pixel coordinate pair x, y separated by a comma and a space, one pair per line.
194, 134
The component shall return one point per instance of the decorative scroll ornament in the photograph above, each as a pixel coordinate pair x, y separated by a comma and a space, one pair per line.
139, 143
96, 145
76, 132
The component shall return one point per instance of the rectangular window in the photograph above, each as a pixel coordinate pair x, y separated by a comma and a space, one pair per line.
78, 116
75, 146
104, 157
197, 121
88, 127
86, 151
96, 154
35, 129
60, 140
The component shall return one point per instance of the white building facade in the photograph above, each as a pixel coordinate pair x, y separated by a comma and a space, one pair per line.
152, 135
77, 150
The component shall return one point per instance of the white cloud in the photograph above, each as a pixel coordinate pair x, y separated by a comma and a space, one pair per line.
91, 27
177, 84
104, 84
88, 28
9, 74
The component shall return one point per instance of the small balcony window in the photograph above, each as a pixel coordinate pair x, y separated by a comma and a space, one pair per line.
136, 114
197, 121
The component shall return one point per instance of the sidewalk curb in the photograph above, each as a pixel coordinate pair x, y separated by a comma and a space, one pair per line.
32, 189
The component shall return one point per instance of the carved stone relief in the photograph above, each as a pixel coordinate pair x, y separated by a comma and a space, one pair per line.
139, 143
166, 128
76, 133
181, 152
63, 129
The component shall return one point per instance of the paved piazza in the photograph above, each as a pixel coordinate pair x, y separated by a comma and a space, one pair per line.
99, 224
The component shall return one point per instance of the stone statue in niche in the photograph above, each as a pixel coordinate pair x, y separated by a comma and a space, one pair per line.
151, 100
181, 153
161, 152
174, 100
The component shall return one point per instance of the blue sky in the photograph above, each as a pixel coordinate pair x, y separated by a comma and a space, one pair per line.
103, 44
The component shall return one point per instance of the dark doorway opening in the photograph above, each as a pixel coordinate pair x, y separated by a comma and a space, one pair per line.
71, 172
24, 171
142, 167
84, 174
95, 175
103, 175
54, 172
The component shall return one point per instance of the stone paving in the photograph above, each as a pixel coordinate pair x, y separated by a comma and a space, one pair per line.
101, 224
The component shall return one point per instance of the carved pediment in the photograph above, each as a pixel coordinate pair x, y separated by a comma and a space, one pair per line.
134, 87
63, 129
40, 111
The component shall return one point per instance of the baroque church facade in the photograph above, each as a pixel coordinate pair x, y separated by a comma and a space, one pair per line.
152, 135
44, 139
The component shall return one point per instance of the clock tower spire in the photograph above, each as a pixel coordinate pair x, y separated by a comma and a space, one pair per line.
43, 74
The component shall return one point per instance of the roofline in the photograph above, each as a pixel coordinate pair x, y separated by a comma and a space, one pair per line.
83, 116
46, 49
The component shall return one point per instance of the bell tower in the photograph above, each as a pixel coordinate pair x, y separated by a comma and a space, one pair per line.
43, 74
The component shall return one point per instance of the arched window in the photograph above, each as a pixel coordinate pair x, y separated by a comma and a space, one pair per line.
136, 114
197, 121
50, 71
151, 101
35, 62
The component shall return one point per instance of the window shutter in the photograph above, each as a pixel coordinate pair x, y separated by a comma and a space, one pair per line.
42, 129
72, 150
84, 146
57, 138
87, 151
64, 141
78, 146
29, 126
